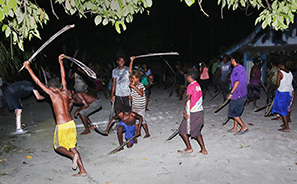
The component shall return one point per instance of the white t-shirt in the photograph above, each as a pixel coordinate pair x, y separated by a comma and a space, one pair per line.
286, 82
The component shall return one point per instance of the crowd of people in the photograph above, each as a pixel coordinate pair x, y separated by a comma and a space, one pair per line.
129, 88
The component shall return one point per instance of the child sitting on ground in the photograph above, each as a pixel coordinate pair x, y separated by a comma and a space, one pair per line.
194, 95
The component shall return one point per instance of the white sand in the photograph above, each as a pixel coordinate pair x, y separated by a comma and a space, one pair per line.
263, 155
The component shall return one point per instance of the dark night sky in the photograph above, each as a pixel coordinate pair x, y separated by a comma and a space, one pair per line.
170, 26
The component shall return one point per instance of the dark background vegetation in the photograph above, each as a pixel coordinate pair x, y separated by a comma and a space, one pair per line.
167, 26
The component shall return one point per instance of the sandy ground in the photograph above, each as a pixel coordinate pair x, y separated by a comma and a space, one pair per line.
263, 155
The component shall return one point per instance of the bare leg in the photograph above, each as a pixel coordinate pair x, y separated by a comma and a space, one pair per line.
289, 116
201, 143
188, 144
82, 171
255, 103
108, 127
234, 129
145, 127
286, 125
120, 136
85, 120
129, 145
73, 153
240, 122
18, 116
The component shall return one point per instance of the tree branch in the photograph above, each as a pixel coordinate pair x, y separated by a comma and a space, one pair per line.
80, 12
201, 9
53, 10
269, 6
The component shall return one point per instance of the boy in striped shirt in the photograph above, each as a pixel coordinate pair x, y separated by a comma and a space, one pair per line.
138, 98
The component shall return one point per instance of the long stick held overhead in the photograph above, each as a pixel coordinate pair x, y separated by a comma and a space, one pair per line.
88, 70
48, 42
157, 54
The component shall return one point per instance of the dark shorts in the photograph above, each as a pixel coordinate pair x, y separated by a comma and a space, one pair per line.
225, 86
196, 122
236, 107
120, 102
130, 131
203, 84
12, 100
92, 108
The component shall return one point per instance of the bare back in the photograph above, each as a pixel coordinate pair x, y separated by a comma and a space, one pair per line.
81, 98
60, 100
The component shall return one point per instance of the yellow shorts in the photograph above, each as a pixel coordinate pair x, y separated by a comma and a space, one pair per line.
65, 135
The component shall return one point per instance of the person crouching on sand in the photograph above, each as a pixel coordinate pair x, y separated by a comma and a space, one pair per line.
65, 132
194, 95
127, 124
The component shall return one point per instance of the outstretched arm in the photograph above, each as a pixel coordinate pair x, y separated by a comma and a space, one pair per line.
35, 78
62, 70
111, 122
131, 63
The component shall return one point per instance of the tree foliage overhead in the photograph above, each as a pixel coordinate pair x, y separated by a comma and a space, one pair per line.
278, 14
20, 19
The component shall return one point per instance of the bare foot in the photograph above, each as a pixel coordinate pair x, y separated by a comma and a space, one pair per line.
186, 151
232, 130
204, 152
284, 130
147, 135
120, 149
277, 118
135, 140
74, 161
80, 174
92, 127
85, 132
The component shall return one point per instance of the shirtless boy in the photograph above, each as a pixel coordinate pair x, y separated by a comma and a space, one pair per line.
65, 133
90, 105
127, 124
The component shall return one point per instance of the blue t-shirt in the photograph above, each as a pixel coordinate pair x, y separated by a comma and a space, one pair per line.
239, 74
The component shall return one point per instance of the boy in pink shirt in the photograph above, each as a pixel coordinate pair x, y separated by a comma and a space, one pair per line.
194, 95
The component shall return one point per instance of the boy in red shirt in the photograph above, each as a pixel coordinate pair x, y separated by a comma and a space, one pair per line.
194, 95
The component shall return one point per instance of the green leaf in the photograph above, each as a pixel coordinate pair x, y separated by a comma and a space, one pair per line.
4, 27
7, 31
150, 3
12, 3
2, 2
117, 26
67, 5
105, 22
190, 2
98, 20
5, 9
10, 13
1, 15
20, 44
